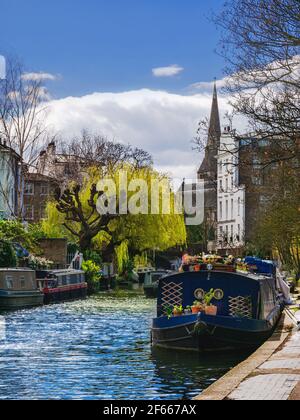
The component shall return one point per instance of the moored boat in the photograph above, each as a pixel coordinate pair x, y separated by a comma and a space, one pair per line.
18, 289
152, 281
62, 285
244, 313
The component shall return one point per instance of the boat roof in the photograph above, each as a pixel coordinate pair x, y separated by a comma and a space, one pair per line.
16, 270
65, 272
255, 277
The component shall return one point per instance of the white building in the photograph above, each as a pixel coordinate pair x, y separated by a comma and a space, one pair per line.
231, 197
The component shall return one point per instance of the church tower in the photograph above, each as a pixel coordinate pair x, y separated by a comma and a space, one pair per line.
208, 173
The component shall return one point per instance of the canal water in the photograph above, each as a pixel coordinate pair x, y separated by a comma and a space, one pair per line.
97, 349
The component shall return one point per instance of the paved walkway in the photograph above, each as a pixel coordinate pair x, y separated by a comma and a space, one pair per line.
272, 373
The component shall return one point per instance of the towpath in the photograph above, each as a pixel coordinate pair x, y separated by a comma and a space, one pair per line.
271, 373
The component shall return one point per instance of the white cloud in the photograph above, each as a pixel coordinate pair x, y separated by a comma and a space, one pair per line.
208, 86
169, 71
160, 122
39, 77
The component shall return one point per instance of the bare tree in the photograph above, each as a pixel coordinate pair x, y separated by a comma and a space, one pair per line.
95, 150
261, 44
22, 105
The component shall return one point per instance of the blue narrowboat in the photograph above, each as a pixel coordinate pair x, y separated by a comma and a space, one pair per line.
247, 310
152, 281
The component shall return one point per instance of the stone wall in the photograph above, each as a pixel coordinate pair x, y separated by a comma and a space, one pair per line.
55, 250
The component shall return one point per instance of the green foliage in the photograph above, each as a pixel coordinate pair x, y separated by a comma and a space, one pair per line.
143, 232
93, 256
39, 263
141, 260
8, 257
14, 231
209, 297
92, 274
279, 230
122, 255
195, 234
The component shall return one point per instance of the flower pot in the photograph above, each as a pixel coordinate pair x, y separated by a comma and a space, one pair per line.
197, 268
196, 309
175, 313
211, 310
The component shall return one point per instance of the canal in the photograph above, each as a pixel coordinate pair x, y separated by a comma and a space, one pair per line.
97, 349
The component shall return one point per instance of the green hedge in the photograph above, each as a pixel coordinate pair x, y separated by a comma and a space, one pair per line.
8, 258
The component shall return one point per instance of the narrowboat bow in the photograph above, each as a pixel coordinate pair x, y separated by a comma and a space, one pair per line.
247, 311
18, 289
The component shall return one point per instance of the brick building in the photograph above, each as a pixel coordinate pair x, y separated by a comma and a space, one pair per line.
38, 189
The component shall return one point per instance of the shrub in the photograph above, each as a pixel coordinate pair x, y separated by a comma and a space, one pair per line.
8, 256
38, 263
94, 256
92, 275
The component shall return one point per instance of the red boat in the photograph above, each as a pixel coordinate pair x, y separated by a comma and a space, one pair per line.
62, 285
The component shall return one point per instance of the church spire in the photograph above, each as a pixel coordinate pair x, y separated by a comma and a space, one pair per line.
208, 169
214, 132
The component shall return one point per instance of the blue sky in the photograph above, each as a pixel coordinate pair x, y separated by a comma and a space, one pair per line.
113, 45
123, 69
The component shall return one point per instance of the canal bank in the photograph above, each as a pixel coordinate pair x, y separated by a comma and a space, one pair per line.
271, 373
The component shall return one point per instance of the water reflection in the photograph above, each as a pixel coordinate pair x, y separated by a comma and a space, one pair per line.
97, 349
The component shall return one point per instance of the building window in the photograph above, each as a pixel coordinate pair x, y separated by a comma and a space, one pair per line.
29, 188
227, 209
29, 212
231, 236
221, 167
239, 233
44, 189
227, 184
257, 180
221, 235
232, 208
239, 206
221, 210
221, 185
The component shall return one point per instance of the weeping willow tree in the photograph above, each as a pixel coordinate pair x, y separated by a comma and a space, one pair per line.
146, 217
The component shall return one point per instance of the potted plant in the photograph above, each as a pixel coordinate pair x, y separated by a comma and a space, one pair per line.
197, 307
209, 308
169, 312
178, 310
188, 310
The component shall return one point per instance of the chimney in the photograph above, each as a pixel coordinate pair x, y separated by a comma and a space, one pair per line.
51, 149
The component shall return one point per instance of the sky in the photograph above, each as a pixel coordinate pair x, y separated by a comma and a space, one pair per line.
138, 71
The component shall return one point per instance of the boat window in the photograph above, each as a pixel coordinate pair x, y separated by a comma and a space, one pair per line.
9, 282
69, 280
22, 282
64, 280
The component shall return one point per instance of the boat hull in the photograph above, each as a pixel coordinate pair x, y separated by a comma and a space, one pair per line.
62, 294
20, 300
208, 333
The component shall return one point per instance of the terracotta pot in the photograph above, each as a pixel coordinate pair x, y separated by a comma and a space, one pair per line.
211, 310
177, 313
196, 309
197, 267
